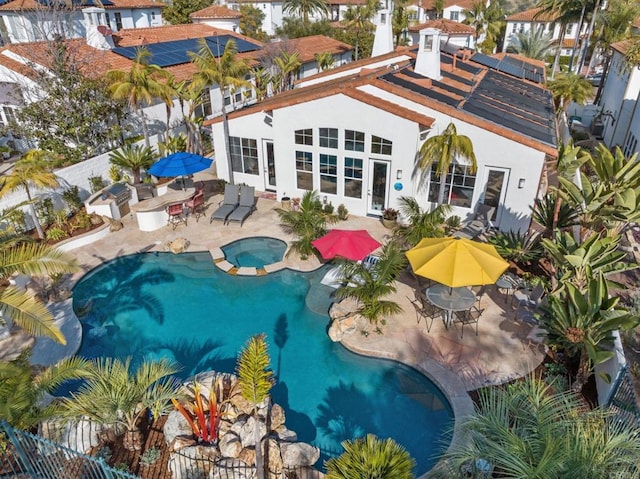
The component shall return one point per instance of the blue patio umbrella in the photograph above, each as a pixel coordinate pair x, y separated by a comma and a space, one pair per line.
181, 163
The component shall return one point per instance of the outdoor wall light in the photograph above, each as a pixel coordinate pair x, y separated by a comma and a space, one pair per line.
521, 183
398, 174
324, 200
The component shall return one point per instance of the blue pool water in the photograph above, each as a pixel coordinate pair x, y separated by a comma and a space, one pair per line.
182, 307
254, 252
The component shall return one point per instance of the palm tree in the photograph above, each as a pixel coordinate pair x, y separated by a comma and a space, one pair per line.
370, 285
582, 324
308, 223
134, 158
22, 390
255, 379
324, 60
304, 8
287, 65
527, 430
570, 87
113, 395
194, 97
532, 44
475, 17
224, 70
372, 458
441, 151
140, 86
422, 224
19, 255
358, 18
32, 169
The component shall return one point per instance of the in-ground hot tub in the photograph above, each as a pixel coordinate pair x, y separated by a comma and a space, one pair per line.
255, 252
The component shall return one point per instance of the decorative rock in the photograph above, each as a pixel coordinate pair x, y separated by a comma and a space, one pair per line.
175, 426
247, 432
342, 327
180, 442
232, 469
80, 435
230, 445
276, 417
248, 456
286, 435
271, 454
178, 245
298, 454
196, 461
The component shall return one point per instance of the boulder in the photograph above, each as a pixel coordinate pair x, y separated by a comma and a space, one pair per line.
180, 442
230, 445
345, 326
296, 454
196, 461
248, 456
276, 417
81, 436
271, 455
232, 469
175, 426
285, 435
247, 432
178, 245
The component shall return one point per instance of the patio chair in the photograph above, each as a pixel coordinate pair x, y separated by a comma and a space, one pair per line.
246, 207
426, 311
227, 205
480, 293
176, 215
480, 223
468, 316
529, 298
196, 205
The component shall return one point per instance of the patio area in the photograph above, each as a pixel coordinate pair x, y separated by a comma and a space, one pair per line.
503, 349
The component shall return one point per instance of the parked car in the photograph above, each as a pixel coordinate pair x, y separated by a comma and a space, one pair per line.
595, 79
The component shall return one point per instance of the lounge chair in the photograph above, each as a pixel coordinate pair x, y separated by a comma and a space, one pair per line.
479, 224
246, 207
227, 205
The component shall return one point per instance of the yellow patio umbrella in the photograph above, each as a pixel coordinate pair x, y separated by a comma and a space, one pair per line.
456, 262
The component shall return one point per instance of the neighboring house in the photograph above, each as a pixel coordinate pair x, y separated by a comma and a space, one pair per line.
33, 20
454, 33
524, 21
422, 10
353, 133
218, 16
103, 50
619, 119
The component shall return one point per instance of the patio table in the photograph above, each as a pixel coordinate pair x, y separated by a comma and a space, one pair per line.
450, 299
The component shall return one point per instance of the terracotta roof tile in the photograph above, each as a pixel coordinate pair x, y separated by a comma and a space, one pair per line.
622, 46
531, 15
308, 46
18, 5
446, 26
428, 4
216, 11
346, 2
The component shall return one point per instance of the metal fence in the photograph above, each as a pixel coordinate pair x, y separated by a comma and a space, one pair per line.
24, 455
622, 399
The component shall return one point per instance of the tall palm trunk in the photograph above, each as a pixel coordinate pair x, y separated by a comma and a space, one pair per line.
145, 127
585, 47
34, 215
583, 373
575, 44
227, 146
556, 61
443, 180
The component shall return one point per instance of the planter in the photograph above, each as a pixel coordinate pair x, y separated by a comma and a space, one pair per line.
285, 202
389, 224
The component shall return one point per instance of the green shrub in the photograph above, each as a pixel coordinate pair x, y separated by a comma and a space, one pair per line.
56, 234
60, 218
71, 196
343, 212
16, 218
45, 211
82, 220
97, 183
328, 209
521, 248
115, 175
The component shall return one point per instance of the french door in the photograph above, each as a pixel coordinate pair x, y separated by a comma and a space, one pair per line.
378, 187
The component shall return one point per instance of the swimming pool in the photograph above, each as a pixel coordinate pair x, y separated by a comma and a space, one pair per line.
254, 252
182, 307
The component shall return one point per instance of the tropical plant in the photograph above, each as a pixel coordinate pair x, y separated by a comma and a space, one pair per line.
579, 262
206, 431
532, 44
256, 379
173, 144
580, 323
226, 71
305, 8
487, 21
525, 429
372, 458
116, 396
422, 224
570, 87
251, 22
358, 19
308, 222
441, 151
399, 20
140, 86
32, 170
71, 196
553, 214
286, 65
370, 284
23, 389
96, 183
178, 11
324, 60
521, 248
390, 214
342, 212
134, 158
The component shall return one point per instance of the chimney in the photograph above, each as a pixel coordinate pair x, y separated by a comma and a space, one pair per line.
428, 59
98, 34
383, 40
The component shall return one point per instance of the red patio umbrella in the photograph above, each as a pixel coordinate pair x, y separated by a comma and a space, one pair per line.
350, 244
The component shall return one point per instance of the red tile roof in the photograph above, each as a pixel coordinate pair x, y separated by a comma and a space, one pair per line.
18, 5
428, 4
531, 15
622, 46
216, 11
446, 26
308, 46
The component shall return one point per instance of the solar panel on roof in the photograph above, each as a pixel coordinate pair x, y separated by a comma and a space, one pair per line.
485, 60
176, 52
447, 60
449, 48
428, 92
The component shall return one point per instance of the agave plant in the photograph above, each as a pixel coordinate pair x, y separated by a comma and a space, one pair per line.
521, 248
553, 214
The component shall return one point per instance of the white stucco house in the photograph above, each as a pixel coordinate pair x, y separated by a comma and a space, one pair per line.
353, 133
422, 10
454, 33
33, 20
619, 116
169, 45
218, 16
523, 22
